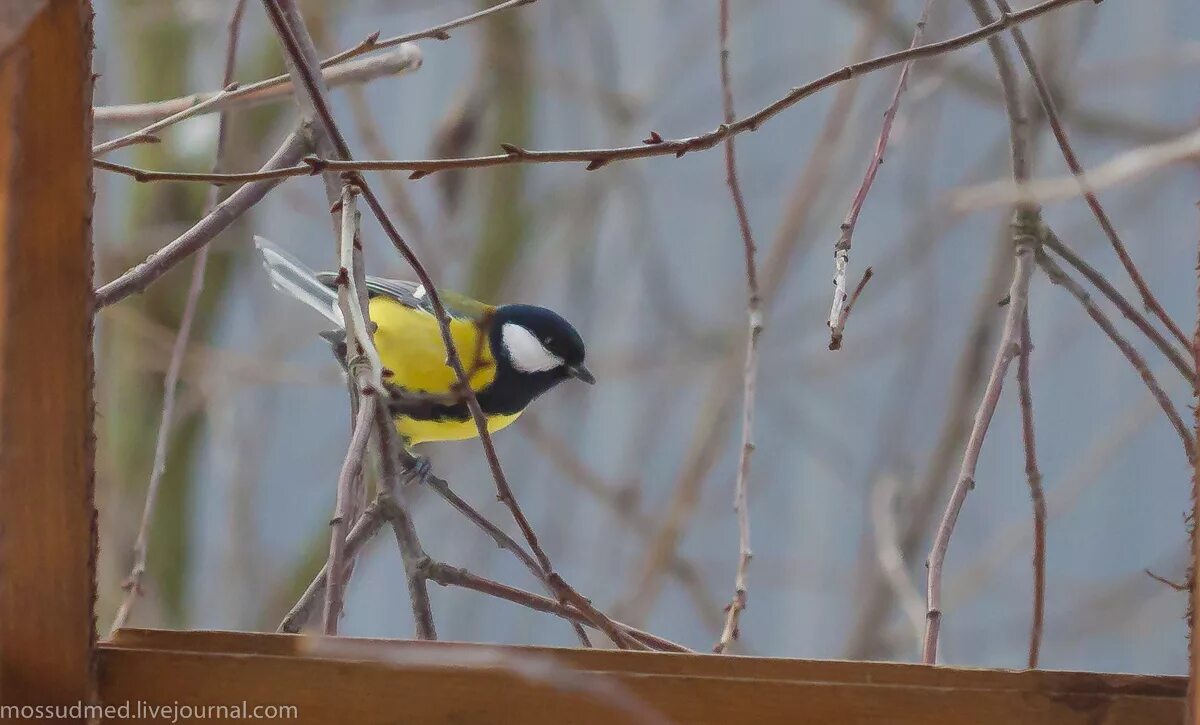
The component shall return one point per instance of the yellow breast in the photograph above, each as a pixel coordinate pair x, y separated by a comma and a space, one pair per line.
410, 345
427, 431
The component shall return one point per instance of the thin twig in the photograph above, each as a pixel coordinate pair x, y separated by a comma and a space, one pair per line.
437, 32
1059, 277
1073, 163
1085, 473
1034, 478
365, 528
838, 311
503, 540
366, 375
754, 315
835, 337
178, 349
453, 576
1024, 235
654, 145
625, 507
335, 70
204, 230
1121, 169
1177, 586
352, 467
1118, 124
352, 292
396, 510
402, 60
220, 179
1131, 313
149, 134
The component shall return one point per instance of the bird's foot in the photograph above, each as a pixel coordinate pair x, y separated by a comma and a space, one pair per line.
420, 469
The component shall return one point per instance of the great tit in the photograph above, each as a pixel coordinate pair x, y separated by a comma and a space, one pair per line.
512, 353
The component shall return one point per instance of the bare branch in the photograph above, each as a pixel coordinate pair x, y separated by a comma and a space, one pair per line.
1121, 169
1068, 153
1177, 586
835, 337
366, 375
365, 528
1117, 124
1025, 230
503, 540
1059, 277
352, 467
838, 311
754, 316
625, 507
149, 134
1019, 145
437, 32
1033, 477
453, 576
396, 510
336, 72
203, 231
599, 157
402, 60
1131, 313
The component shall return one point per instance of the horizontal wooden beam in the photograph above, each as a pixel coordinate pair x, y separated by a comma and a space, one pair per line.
226, 667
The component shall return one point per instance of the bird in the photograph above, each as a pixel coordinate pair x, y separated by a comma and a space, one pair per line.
512, 353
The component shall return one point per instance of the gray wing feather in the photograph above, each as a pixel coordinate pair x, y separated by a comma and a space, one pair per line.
413, 294
289, 275
409, 294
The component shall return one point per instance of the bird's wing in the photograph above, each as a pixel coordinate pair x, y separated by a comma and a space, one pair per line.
413, 294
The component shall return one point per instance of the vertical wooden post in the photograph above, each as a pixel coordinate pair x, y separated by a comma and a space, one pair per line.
47, 516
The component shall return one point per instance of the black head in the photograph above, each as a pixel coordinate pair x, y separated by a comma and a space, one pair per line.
536, 342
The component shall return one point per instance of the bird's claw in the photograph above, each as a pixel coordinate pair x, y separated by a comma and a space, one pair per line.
420, 469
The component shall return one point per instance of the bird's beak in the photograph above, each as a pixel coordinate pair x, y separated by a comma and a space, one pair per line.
579, 372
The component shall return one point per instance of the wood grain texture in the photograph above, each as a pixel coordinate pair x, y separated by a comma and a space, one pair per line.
47, 517
216, 667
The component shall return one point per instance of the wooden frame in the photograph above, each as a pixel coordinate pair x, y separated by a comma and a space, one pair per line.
685, 688
48, 653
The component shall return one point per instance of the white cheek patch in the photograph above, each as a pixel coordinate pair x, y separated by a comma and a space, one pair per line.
525, 351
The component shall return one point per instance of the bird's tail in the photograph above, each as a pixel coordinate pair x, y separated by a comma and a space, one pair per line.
291, 276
